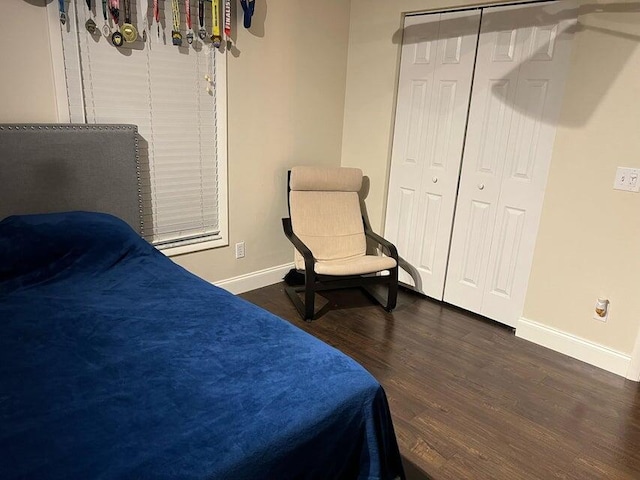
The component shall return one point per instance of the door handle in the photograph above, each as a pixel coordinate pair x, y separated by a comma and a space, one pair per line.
481, 186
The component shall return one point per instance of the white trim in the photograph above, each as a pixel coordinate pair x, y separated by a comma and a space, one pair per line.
57, 63
222, 139
576, 347
633, 372
194, 247
253, 280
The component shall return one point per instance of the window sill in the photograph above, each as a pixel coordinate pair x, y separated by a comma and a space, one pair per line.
195, 247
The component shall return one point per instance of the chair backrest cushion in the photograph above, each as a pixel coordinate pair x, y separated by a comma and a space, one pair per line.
325, 212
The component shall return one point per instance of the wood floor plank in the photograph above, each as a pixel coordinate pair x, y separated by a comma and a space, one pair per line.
471, 400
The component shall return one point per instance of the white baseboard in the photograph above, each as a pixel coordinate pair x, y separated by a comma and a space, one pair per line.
576, 347
253, 280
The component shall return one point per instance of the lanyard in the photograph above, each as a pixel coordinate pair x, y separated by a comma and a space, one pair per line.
114, 9
145, 20
176, 36
156, 15
247, 8
202, 33
227, 20
216, 38
187, 12
63, 16
127, 11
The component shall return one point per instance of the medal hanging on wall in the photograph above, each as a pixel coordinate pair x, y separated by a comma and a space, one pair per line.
63, 16
216, 38
227, 20
114, 10
202, 33
176, 36
187, 12
129, 31
90, 24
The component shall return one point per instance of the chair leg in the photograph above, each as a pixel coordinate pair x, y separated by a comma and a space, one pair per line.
393, 290
309, 294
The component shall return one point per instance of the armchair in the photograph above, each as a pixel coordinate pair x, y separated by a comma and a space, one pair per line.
329, 233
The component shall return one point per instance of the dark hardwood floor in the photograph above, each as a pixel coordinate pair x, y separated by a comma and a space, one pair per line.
469, 400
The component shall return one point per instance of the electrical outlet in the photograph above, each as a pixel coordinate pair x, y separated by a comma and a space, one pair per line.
627, 179
240, 250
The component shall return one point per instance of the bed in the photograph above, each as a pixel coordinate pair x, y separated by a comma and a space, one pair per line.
117, 363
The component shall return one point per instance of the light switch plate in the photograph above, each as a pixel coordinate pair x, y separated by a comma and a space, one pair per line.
627, 179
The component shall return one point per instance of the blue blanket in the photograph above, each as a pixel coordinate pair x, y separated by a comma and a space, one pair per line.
117, 363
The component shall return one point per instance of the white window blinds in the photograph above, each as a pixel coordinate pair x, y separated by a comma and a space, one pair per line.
171, 94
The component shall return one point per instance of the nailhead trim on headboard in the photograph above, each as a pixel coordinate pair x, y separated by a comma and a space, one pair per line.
133, 128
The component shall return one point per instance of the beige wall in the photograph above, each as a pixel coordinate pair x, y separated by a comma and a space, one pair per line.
589, 239
285, 100
26, 81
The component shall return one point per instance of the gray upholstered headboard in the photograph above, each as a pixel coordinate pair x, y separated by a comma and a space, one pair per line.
60, 167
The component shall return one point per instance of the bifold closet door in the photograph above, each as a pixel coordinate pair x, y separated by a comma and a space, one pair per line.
436, 69
523, 55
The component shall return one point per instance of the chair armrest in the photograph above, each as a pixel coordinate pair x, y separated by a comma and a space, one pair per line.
309, 261
392, 251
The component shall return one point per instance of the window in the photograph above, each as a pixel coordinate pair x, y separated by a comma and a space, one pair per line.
177, 98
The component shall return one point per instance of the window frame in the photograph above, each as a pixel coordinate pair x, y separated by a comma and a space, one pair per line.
63, 116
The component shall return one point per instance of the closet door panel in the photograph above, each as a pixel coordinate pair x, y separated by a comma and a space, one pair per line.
523, 54
499, 50
412, 120
433, 94
545, 60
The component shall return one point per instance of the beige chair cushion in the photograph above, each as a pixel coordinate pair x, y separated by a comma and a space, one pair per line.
327, 179
355, 266
329, 223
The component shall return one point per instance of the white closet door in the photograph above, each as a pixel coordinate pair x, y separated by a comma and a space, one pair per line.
523, 55
433, 97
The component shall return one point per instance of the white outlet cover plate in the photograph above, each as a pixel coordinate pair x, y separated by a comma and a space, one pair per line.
627, 179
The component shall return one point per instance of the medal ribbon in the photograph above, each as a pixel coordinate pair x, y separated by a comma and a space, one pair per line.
104, 10
227, 19
175, 7
247, 8
89, 4
145, 12
127, 11
63, 16
215, 18
156, 15
187, 12
201, 13
114, 10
